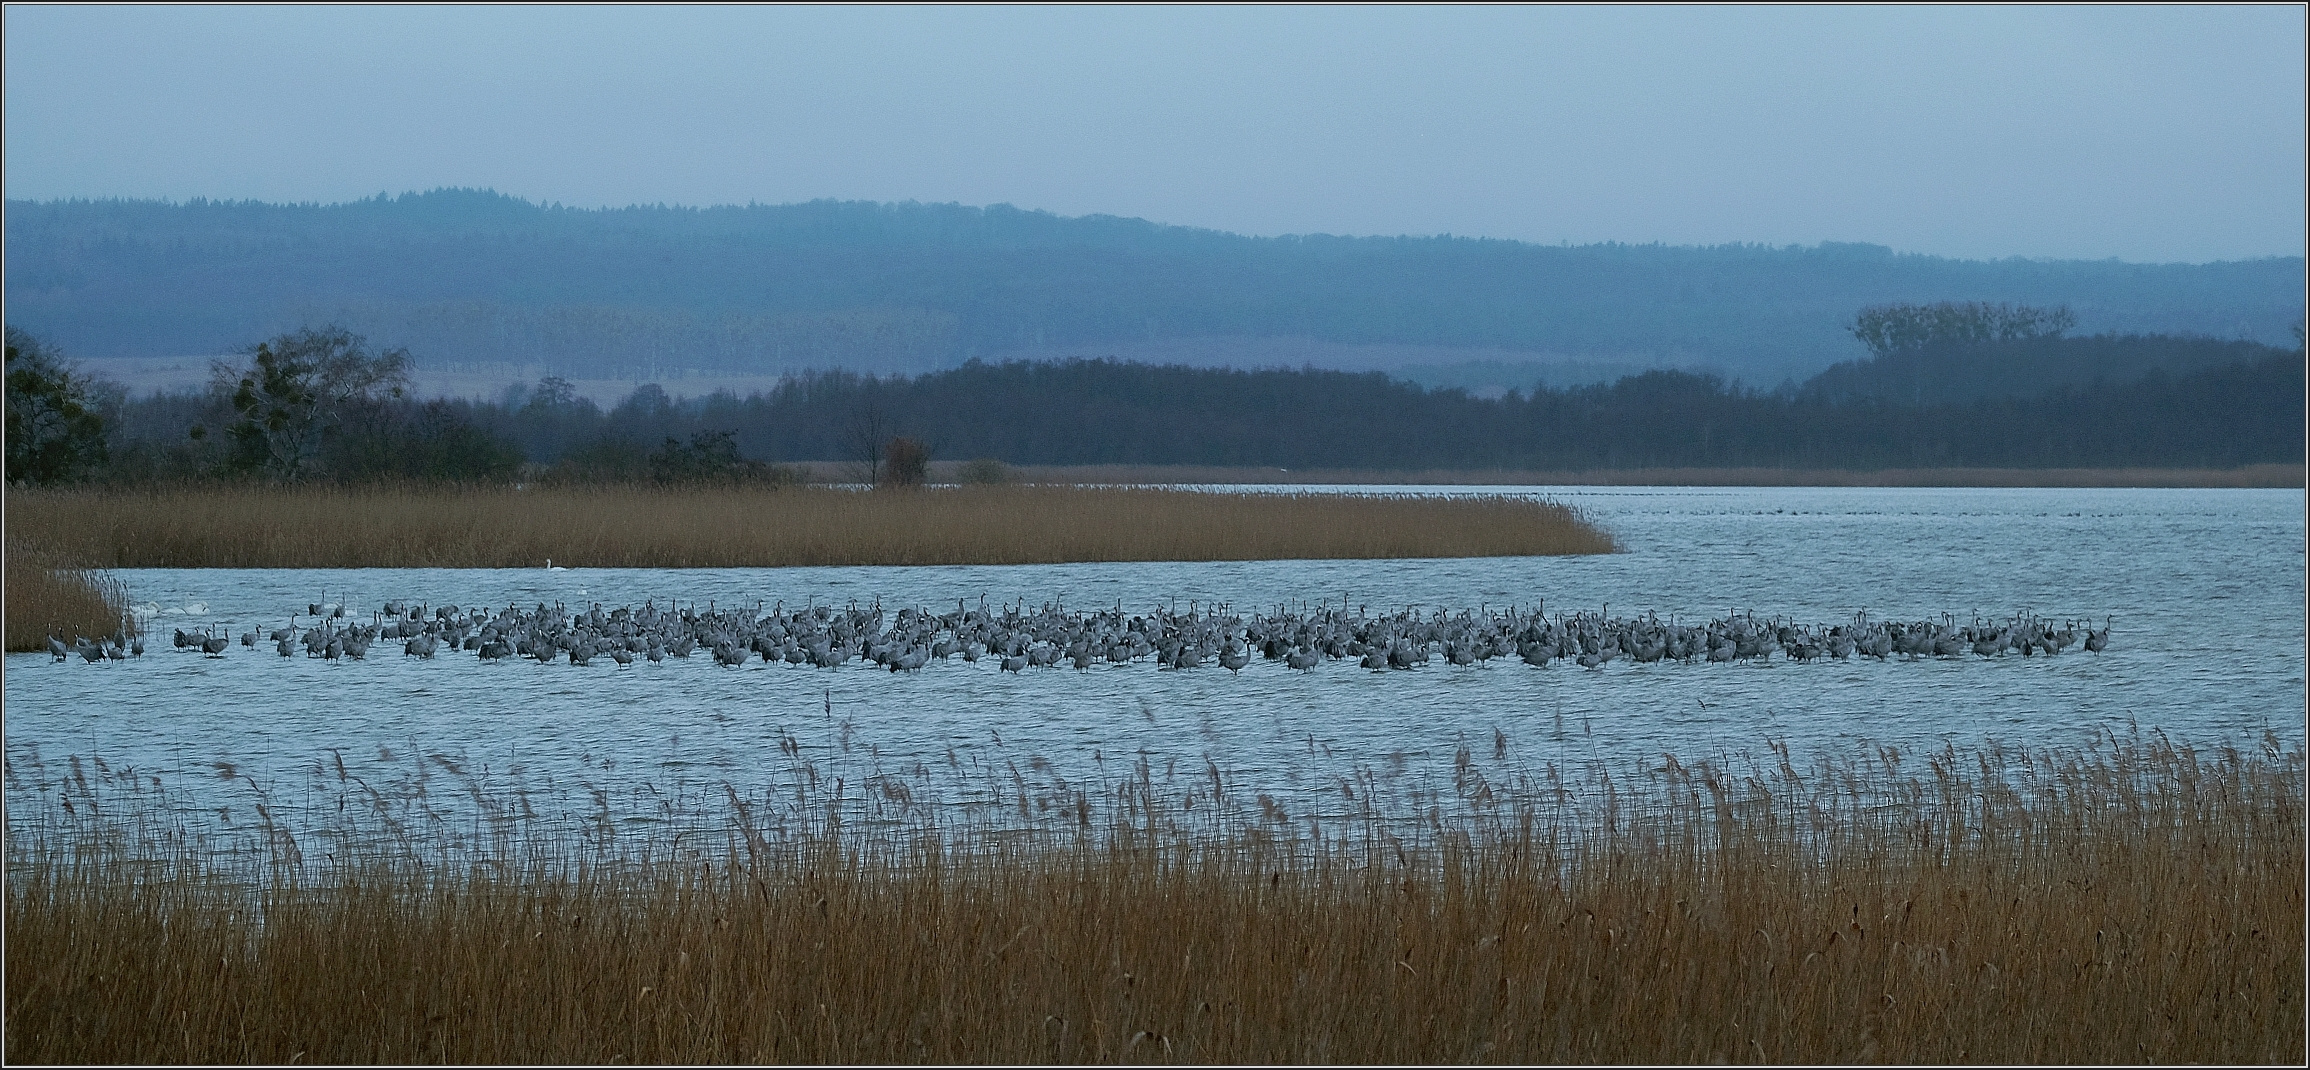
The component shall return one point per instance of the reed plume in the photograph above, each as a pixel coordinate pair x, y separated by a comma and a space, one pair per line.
2141, 902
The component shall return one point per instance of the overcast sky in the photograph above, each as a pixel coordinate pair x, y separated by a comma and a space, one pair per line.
2149, 134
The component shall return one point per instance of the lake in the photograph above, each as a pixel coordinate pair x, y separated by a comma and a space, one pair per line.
2205, 589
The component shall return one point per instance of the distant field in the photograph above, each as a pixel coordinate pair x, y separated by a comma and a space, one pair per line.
639, 527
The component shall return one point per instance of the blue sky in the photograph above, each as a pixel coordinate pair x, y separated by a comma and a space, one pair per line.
2142, 133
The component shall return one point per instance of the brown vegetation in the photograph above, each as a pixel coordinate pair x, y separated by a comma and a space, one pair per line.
45, 597
319, 527
2136, 903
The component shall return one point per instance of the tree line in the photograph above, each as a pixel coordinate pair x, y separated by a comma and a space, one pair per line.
322, 405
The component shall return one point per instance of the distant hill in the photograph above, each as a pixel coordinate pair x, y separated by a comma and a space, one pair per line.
465, 277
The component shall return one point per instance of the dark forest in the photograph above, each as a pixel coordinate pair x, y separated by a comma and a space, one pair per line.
2096, 401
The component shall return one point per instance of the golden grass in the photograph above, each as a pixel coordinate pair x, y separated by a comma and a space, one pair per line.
648, 528
2138, 903
45, 597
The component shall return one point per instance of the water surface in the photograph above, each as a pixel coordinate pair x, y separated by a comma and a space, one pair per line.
2205, 589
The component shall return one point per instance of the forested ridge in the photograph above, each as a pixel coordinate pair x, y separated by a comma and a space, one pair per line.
467, 276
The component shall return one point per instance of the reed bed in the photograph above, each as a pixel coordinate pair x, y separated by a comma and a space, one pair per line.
47, 597
2138, 901
634, 527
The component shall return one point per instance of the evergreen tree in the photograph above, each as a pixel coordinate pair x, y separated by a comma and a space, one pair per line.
54, 431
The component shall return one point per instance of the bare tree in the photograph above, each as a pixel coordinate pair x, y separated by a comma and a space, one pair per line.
295, 390
868, 434
553, 392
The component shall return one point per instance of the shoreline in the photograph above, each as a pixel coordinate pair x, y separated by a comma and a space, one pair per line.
2261, 476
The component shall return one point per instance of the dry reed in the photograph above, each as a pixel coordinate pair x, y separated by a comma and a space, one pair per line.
46, 597
2140, 902
645, 528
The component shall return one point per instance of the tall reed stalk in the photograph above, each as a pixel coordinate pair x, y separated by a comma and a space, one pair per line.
2140, 902
636, 527
47, 597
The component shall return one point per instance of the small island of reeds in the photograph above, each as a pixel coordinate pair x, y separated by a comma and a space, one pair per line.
748, 527
47, 596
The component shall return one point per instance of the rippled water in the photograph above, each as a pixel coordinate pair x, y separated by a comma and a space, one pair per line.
2206, 588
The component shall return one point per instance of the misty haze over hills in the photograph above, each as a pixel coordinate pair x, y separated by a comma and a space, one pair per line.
471, 279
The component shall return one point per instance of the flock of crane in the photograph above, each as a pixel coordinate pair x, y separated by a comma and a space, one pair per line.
1017, 638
